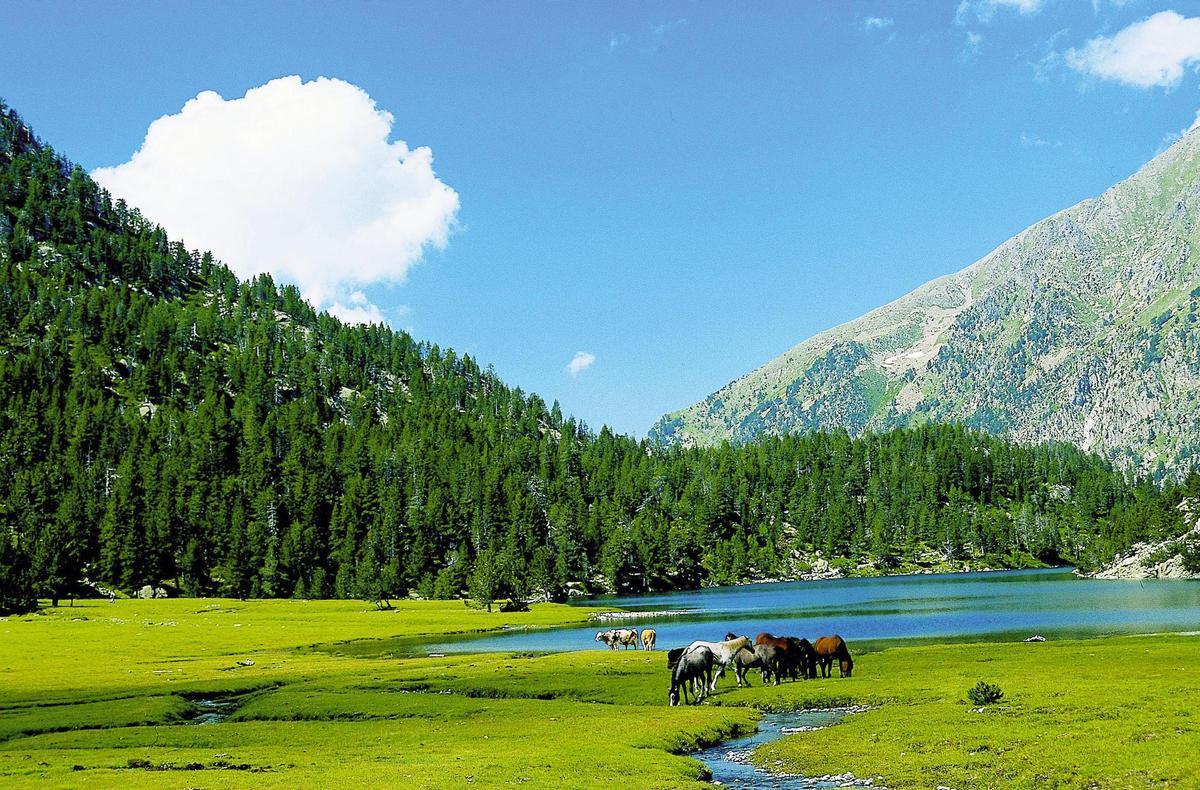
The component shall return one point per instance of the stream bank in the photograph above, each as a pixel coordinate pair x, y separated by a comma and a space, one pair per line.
731, 765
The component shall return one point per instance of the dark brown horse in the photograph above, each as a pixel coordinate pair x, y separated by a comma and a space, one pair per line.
807, 665
827, 648
794, 656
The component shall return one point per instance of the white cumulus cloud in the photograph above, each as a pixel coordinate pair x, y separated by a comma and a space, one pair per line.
1153, 52
878, 22
580, 362
295, 178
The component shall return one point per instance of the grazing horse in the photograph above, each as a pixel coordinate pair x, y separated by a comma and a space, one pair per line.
807, 664
792, 657
771, 663
723, 653
648, 638
827, 648
743, 661
693, 671
673, 656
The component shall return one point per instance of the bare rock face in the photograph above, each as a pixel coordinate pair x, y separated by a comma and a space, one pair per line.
1161, 560
1143, 563
1083, 328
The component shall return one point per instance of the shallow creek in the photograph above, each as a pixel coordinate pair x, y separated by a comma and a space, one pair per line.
730, 761
214, 709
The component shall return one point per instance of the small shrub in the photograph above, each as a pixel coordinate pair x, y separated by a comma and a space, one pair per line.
985, 694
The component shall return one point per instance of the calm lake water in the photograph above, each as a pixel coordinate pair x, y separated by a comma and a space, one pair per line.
999, 605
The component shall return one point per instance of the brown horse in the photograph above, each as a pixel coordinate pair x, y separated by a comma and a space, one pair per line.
793, 656
827, 648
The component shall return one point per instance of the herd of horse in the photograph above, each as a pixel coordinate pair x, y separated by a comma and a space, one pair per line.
697, 667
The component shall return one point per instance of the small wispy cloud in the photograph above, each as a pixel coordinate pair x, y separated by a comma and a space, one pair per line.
659, 32
580, 362
1155, 52
982, 11
1037, 141
878, 22
1170, 138
650, 39
972, 46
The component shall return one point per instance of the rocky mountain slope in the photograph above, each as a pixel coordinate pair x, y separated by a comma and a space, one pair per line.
1081, 328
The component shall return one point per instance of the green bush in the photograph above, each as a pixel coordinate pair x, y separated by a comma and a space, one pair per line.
985, 694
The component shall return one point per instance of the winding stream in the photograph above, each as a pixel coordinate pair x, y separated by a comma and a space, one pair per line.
730, 761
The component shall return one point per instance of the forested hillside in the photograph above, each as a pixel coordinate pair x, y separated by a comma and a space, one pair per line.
163, 422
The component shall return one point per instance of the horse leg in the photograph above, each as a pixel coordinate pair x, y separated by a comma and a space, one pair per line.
712, 686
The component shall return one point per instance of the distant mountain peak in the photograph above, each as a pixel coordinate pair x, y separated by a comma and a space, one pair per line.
1080, 328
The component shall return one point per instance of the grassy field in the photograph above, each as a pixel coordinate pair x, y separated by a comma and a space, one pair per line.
109, 700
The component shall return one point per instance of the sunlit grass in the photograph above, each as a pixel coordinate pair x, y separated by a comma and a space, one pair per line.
108, 701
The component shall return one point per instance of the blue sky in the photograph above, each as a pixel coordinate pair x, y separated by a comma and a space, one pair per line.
679, 190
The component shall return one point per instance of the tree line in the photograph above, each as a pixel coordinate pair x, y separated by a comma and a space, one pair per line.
166, 422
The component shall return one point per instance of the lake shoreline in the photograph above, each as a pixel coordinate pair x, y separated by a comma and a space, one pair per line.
590, 600
987, 606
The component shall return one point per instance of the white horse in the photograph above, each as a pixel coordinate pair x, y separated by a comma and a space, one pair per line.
723, 653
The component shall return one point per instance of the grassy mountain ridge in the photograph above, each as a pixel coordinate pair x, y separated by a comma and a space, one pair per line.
1081, 328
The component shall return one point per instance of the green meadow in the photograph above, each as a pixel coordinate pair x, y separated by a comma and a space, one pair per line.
101, 694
